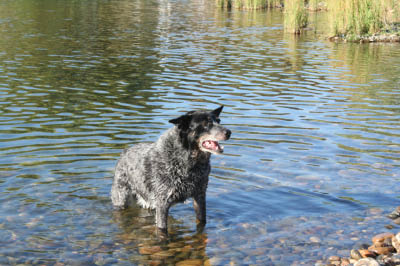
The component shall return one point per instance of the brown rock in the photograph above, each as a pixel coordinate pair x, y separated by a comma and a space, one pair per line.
381, 237
333, 258
345, 262
367, 262
365, 253
382, 250
397, 221
396, 242
190, 262
149, 250
163, 254
355, 254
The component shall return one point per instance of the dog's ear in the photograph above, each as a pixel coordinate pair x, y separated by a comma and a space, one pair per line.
217, 111
182, 122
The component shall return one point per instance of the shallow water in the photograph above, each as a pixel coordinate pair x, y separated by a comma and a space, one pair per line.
311, 169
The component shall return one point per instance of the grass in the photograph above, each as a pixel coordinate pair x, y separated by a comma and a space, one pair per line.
349, 19
354, 18
249, 4
296, 16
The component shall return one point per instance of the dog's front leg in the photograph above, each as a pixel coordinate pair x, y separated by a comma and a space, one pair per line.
162, 218
199, 204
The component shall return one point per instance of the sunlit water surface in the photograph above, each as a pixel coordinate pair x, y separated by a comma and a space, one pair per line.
311, 169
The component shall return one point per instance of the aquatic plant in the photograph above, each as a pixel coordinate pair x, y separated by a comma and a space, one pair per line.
224, 3
313, 5
351, 18
249, 4
296, 16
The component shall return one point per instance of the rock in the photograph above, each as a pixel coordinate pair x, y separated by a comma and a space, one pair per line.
333, 258
381, 237
382, 250
395, 259
315, 239
396, 242
163, 254
149, 250
393, 215
397, 221
355, 254
367, 262
365, 253
190, 262
345, 262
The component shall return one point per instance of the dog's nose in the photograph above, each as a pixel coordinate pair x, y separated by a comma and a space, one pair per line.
228, 134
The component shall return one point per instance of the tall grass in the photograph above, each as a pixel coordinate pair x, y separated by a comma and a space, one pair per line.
296, 16
249, 4
361, 17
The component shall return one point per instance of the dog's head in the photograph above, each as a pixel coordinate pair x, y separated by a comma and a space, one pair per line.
201, 130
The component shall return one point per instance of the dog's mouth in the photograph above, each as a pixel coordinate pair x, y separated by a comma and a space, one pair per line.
212, 146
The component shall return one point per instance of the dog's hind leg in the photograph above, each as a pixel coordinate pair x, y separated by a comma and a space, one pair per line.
121, 193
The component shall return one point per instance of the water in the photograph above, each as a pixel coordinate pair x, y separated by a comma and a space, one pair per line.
311, 169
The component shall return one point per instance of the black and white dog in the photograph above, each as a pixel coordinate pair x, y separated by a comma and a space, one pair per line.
173, 168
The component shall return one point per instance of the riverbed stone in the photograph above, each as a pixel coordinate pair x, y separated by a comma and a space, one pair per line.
190, 262
382, 250
355, 254
396, 242
367, 262
147, 250
365, 253
380, 238
397, 221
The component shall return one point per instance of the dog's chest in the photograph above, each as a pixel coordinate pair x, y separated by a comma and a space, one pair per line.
190, 183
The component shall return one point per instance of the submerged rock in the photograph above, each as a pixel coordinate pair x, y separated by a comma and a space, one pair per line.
367, 262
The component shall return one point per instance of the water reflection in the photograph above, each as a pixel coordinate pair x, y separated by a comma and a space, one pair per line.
315, 147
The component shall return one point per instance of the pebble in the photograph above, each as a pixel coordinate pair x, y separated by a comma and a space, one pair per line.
149, 250
396, 242
190, 262
355, 254
315, 239
367, 262
365, 253
380, 238
382, 250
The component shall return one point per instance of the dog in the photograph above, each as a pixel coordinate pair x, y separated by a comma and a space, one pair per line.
172, 169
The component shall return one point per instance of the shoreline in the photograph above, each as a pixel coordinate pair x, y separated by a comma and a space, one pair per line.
384, 250
376, 38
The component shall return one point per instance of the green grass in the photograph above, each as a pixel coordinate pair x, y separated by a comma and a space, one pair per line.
352, 18
296, 16
249, 4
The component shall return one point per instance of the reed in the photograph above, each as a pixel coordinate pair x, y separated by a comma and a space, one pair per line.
249, 4
224, 3
352, 18
313, 5
295, 17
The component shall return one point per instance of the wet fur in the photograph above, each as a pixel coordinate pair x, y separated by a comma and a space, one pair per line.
170, 170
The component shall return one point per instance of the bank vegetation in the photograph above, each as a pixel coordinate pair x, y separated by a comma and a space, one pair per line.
349, 20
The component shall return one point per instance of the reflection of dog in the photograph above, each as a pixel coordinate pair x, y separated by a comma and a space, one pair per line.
173, 168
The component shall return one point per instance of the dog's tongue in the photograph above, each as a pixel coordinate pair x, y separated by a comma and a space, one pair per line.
212, 145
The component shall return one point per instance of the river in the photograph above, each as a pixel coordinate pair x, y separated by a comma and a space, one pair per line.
311, 170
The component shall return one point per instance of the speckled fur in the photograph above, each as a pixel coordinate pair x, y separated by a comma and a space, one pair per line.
170, 170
